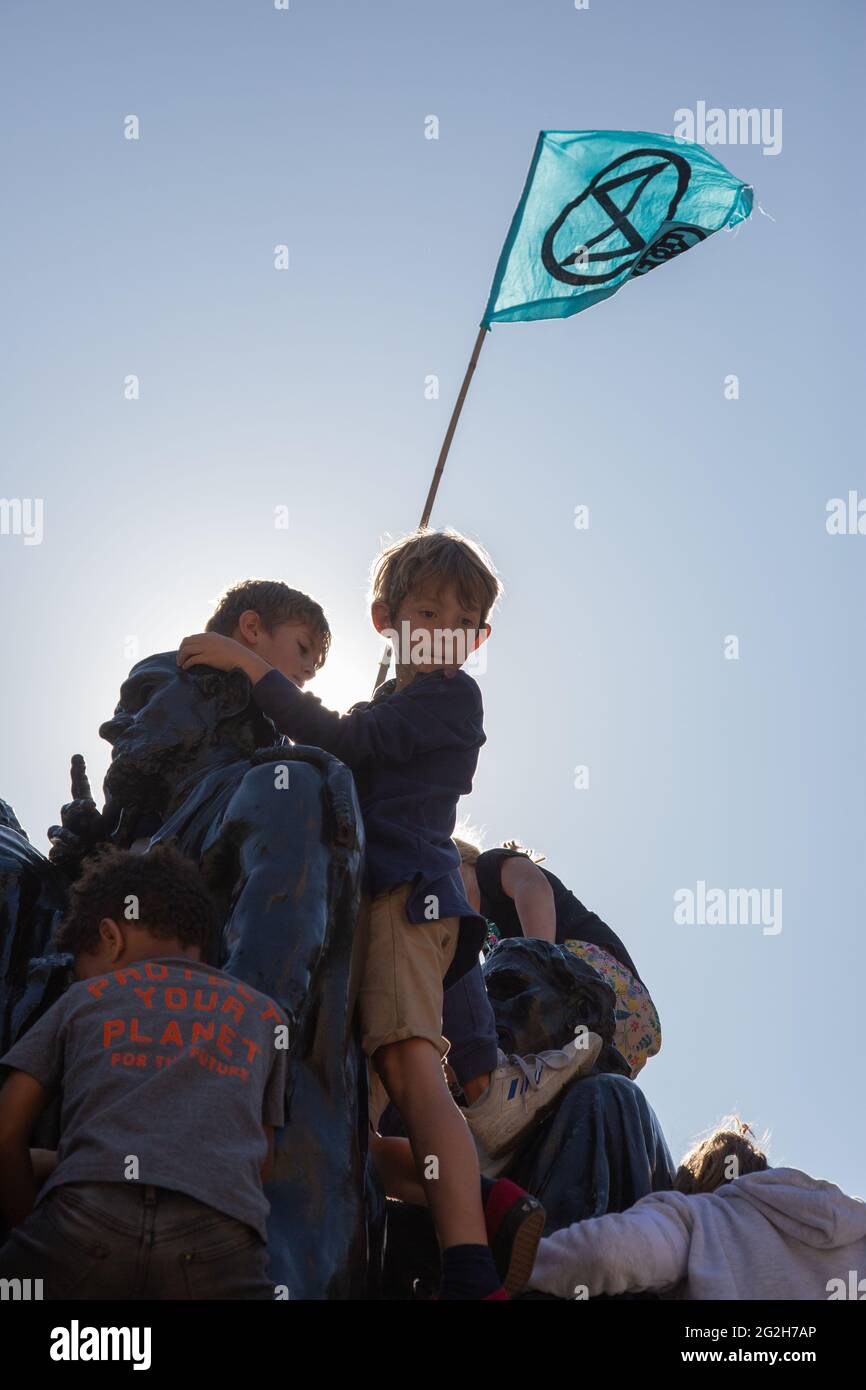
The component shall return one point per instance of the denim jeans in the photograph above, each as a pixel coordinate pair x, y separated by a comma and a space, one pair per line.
469, 1025
96, 1240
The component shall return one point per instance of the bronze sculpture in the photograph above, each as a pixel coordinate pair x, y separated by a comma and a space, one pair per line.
276, 831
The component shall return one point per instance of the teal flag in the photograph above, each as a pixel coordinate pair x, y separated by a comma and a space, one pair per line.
601, 206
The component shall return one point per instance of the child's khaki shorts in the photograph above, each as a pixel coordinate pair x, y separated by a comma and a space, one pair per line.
400, 994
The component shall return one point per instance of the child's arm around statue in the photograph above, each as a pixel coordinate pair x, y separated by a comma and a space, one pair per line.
437, 711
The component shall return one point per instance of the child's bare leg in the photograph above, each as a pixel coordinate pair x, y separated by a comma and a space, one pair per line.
396, 1168
473, 1090
411, 1072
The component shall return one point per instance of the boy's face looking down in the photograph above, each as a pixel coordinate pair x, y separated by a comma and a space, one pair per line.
122, 944
292, 647
431, 630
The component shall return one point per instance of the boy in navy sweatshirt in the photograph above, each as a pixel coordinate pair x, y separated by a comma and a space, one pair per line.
414, 750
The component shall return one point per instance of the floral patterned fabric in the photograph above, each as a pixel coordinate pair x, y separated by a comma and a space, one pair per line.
638, 1033
492, 938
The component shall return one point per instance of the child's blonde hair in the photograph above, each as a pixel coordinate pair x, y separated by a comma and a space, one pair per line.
469, 841
439, 558
729, 1152
522, 849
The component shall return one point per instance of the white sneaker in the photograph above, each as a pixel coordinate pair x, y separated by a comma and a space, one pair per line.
521, 1091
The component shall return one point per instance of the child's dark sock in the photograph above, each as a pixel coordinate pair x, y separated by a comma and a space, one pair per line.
468, 1272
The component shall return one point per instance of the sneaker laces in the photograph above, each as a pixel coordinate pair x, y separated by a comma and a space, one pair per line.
533, 1073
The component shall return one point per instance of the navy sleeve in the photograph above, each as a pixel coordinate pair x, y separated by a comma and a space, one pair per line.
435, 711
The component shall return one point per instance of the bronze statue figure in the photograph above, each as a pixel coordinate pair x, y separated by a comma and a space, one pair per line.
277, 833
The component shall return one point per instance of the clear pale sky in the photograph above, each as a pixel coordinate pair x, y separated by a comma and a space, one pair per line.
305, 388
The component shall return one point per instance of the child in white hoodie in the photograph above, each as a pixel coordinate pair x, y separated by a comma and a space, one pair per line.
732, 1228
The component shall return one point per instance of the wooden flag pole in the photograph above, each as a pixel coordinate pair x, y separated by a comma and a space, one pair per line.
439, 469
452, 425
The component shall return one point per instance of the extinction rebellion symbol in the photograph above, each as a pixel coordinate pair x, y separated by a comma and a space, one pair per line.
665, 175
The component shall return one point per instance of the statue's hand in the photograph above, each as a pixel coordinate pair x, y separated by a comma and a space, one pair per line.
81, 827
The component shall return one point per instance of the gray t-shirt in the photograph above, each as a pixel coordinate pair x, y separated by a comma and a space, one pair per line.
169, 1062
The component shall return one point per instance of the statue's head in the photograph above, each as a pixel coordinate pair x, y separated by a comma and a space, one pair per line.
168, 722
541, 992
